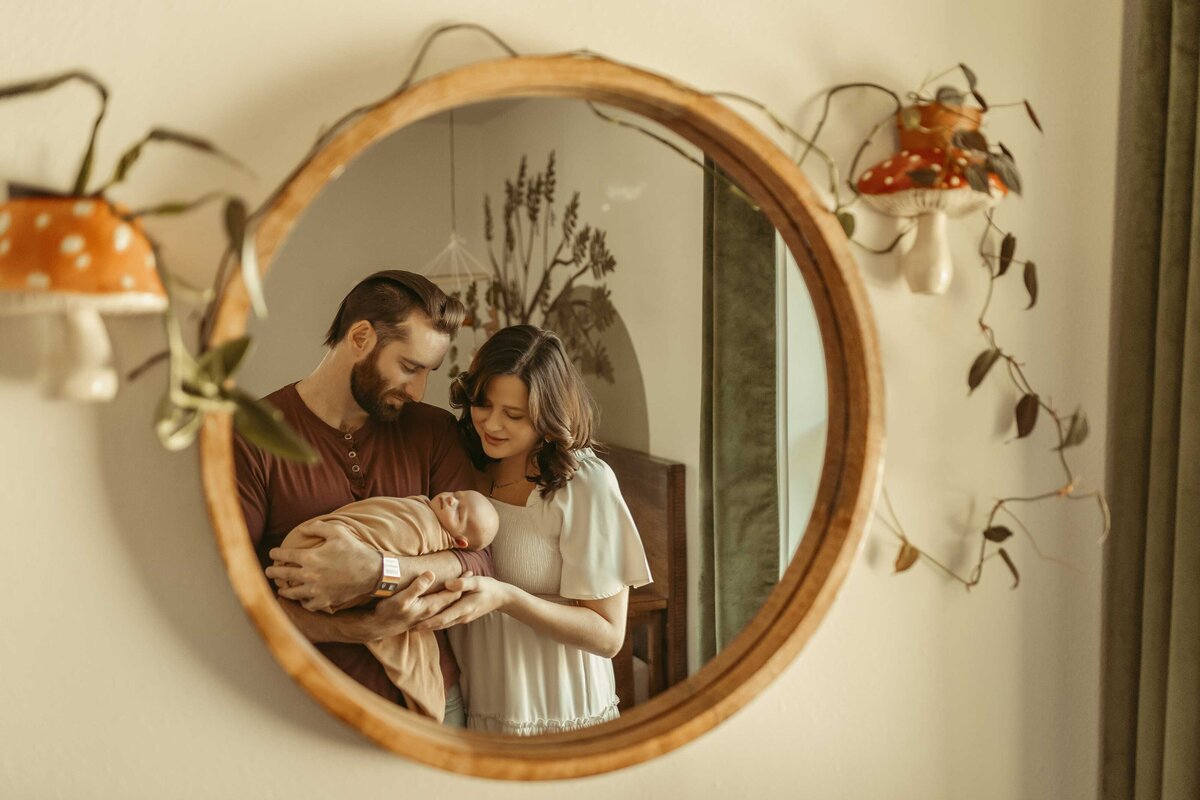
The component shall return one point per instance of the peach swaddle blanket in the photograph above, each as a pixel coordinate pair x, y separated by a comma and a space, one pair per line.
406, 526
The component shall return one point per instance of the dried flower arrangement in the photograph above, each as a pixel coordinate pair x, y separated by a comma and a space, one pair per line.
514, 296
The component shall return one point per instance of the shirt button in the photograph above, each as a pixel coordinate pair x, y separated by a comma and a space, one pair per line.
349, 436
353, 454
355, 468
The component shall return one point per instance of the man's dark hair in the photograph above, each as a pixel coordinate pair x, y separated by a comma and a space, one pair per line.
387, 298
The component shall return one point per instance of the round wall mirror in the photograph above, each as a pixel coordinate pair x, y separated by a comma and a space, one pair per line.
714, 312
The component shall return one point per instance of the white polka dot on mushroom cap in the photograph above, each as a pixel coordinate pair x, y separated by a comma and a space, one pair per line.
37, 280
71, 244
867, 175
149, 260
914, 158
82, 208
888, 181
42, 220
903, 153
5, 221
126, 281
887, 163
936, 167
83, 262
122, 236
962, 162
955, 181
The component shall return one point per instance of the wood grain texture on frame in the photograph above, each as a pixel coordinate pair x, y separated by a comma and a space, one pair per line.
845, 495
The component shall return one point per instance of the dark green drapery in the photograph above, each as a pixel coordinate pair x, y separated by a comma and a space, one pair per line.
739, 484
1151, 678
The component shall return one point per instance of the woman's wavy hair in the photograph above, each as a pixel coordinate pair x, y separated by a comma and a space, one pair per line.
560, 405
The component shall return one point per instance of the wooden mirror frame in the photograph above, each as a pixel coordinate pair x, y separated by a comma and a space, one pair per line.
845, 496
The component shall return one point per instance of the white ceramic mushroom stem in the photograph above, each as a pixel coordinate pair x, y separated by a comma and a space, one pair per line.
926, 264
81, 362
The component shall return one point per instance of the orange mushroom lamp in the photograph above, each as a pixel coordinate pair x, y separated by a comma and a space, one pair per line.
928, 179
76, 258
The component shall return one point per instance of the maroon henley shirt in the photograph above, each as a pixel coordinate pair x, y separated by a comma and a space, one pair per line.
417, 454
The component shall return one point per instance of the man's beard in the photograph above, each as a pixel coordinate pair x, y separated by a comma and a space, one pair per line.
368, 388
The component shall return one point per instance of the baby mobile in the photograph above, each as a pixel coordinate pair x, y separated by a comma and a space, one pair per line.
458, 273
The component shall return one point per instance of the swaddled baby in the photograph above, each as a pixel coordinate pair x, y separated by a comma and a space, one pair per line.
409, 526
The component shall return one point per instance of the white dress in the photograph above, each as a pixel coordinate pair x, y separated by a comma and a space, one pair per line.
581, 544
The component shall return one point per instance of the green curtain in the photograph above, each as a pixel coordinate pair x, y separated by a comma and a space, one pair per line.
739, 493
1151, 676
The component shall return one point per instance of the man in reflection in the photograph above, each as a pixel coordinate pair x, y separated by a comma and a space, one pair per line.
360, 410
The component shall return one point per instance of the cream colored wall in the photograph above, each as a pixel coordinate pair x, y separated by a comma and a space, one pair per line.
129, 671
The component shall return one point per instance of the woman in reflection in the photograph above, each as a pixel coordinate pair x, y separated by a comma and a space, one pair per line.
566, 553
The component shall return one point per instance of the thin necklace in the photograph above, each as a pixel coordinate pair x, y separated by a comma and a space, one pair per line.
496, 486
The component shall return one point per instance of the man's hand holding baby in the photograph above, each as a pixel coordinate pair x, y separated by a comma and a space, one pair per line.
340, 571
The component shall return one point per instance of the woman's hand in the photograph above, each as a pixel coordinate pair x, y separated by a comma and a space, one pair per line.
480, 596
406, 610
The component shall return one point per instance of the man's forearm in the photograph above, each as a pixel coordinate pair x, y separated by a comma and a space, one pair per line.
443, 565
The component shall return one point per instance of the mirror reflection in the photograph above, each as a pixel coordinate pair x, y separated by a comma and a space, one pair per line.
570, 432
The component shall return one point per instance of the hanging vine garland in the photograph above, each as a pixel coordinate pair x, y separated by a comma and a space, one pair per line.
200, 383
1070, 431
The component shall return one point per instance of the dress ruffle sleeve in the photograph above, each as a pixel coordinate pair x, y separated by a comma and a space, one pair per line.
601, 550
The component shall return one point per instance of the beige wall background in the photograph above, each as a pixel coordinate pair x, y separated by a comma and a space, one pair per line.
128, 669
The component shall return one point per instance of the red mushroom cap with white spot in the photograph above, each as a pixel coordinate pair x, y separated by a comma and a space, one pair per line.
890, 187
66, 253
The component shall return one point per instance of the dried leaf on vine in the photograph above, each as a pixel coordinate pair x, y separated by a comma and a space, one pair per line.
1003, 165
1008, 247
131, 156
949, 96
1027, 414
1077, 430
1031, 283
907, 556
846, 220
1006, 152
969, 74
1011, 568
1029, 110
977, 177
979, 368
971, 140
979, 99
997, 533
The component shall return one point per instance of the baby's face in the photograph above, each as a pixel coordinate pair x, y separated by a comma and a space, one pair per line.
467, 516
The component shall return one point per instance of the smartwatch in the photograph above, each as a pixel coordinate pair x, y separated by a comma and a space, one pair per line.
389, 577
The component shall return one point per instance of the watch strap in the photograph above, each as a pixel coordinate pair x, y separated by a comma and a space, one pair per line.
389, 577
